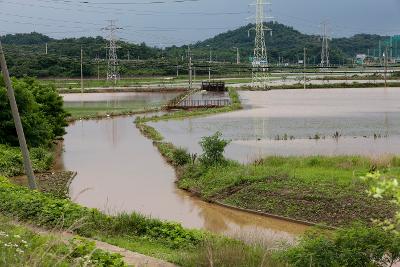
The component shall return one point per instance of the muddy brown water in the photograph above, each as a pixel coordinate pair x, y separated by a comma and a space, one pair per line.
358, 115
119, 170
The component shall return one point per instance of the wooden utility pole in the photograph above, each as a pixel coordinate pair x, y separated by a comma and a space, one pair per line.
17, 121
386, 65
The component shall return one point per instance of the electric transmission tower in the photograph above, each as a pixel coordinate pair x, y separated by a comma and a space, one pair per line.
325, 46
260, 59
112, 67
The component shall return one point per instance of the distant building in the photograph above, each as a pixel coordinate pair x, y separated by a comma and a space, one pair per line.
360, 59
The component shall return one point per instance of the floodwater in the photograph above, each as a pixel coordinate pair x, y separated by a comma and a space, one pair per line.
367, 121
119, 170
118, 99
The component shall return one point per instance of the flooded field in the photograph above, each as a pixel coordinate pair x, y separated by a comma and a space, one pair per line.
119, 170
78, 104
298, 122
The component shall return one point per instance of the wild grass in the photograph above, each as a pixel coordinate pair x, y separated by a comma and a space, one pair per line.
20, 246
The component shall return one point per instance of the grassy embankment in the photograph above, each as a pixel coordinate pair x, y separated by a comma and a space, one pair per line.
164, 240
321, 190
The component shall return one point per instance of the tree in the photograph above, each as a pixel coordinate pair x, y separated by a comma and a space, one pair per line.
41, 111
213, 149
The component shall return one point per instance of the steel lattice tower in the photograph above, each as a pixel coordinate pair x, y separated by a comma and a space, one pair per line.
325, 46
112, 67
260, 60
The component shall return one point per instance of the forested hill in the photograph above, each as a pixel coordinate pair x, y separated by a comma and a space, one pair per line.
286, 42
26, 52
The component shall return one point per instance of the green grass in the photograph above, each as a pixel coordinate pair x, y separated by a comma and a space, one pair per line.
325, 190
19, 246
165, 240
11, 162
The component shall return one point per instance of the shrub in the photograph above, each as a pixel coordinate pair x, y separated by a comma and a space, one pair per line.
213, 149
353, 246
11, 163
181, 157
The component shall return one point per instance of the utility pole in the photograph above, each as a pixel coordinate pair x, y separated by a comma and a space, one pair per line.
17, 120
260, 59
386, 65
81, 70
129, 57
237, 55
305, 66
325, 46
190, 68
209, 66
112, 66
98, 66
46, 49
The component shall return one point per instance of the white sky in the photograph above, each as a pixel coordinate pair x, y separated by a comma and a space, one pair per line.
168, 23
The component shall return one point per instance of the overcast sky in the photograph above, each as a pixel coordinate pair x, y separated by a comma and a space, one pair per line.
172, 22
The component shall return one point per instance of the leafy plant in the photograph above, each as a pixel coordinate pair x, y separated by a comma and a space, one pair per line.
213, 149
389, 186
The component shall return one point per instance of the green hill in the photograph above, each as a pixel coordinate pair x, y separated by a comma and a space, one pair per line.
26, 52
287, 43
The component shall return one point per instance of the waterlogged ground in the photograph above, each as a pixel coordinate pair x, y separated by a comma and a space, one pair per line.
119, 170
367, 121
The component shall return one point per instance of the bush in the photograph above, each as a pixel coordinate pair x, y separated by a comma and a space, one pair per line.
213, 149
181, 157
354, 246
41, 111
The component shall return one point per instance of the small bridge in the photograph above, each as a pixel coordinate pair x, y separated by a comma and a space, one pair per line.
200, 103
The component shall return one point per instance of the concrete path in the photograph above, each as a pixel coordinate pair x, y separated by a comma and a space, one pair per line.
131, 258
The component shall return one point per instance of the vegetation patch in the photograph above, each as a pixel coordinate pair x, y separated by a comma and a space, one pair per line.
165, 240
356, 246
317, 189
11, 162
21, 247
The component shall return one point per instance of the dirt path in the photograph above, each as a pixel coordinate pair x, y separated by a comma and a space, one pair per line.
131, 258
